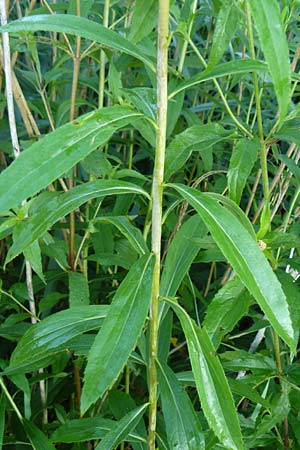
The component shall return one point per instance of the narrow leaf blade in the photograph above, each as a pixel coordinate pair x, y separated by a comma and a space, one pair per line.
274, 44
120, 331
246, 258
212, 386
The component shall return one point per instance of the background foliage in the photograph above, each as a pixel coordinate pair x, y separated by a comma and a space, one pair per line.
75, 252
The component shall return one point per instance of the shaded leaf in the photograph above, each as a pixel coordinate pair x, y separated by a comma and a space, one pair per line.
143, 20
78, 290
37, 438
62, 204
52, 334
122, 428
197, 138
212, 386
120, 331
241, 163
182, 425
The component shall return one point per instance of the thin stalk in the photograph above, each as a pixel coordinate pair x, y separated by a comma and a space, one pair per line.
220, 92
157, 197
186, 40
102, 58
16, 150
10, 399
76, 68
263, 148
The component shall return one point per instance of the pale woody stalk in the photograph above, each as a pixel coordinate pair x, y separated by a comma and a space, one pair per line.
157, 197
16, 150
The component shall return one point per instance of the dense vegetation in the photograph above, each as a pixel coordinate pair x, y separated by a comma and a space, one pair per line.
149, 202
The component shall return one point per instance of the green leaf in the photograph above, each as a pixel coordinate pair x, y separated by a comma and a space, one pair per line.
37, 438
274, 44
222, 70
226, 25
228, 306
120, 331
59, 205
86, 429
78, 26
33, 254
242, 360
182, 425
199, 138
241, 163
122, 429
52, 335
79, 294
143, 20
244, 255
183, 250
214, 393
56, 153
133, 234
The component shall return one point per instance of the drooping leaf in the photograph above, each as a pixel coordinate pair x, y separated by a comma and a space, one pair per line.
182, 252
62, 204
143, 20
222, 70
37, 438
56, 153
228, 306
86, 429
52, 334
241, 163
120, 331
214, 393
122, 429
33, 254
244, 255
78, 26
121, 404
274, 44
78, 290
182, 425
132, 233
226, 25
198, 138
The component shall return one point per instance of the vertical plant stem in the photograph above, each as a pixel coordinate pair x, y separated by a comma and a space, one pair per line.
263, 148
157, 197
16, 151
102, 58
185, 43
76, 68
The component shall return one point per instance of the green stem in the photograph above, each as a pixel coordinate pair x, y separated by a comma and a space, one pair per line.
186, 40
102, 58
10, 399
157, 197
220, 92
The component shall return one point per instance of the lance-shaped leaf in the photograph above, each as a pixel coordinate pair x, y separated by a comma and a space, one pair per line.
37, 438
59, 205
198, 138
86, 429
122, 428
182, 424
274, 44
222, 70
52, 335
214, 393
226, 24
78, 26
120, 331
241, 163
244, 255
56, 153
